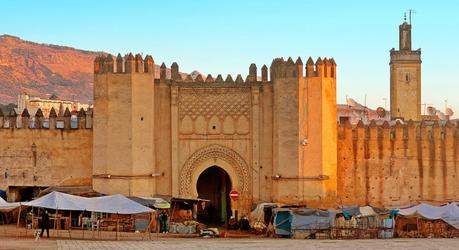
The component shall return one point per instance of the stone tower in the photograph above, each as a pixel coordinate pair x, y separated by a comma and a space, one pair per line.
405, 78
123, 130
304, 130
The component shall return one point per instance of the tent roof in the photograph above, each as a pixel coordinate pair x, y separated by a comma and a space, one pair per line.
448, 213
7, 206
364, 211
107, 204
159, 203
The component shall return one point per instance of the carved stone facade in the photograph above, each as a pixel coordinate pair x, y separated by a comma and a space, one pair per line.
177, 128
214, 152
214, 111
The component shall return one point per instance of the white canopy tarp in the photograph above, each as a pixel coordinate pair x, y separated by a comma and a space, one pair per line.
448, 213
367, 211
257, 216
7, 206
115, 204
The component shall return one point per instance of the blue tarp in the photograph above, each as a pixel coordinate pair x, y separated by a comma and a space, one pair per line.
283, 222
288, 220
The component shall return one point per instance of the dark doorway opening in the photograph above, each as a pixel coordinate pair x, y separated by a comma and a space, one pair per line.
214, 184
23, 193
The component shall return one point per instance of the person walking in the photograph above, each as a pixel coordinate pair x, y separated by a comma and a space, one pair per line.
45, 223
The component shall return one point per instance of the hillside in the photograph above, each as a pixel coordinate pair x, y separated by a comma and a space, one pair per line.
44, 69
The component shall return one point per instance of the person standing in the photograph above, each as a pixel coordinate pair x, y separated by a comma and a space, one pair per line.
163, 222
45, 223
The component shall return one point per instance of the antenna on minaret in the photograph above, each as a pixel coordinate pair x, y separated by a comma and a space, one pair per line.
410, 13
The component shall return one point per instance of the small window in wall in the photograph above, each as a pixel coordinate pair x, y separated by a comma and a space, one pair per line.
407, 77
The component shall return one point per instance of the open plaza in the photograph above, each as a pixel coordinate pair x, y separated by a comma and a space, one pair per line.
248, 243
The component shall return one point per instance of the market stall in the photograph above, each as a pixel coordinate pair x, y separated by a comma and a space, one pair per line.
426, 220
118, 207
156, 203
6, 210
363, 222
262, 216
184, 215
303, 222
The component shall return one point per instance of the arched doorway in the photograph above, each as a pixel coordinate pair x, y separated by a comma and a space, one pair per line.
214, 184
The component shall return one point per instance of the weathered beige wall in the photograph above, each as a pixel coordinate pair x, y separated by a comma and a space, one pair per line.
285, 80
60, 156
163, 140
124, 126
265, 171
320, 130
304, 132
391, 166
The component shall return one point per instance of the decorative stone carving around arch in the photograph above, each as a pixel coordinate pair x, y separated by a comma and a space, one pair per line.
229, 160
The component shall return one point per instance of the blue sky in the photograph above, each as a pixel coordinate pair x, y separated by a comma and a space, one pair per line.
226, 36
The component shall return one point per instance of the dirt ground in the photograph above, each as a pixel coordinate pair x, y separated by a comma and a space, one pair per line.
226, 244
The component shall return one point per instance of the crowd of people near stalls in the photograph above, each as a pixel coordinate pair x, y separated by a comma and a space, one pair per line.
184, 216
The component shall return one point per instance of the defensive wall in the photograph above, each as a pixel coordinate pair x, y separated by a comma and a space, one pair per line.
37, 153
387, 166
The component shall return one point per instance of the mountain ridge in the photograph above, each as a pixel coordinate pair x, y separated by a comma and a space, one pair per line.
40, 69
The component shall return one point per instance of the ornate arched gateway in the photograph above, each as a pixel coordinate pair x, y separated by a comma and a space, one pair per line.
214, 155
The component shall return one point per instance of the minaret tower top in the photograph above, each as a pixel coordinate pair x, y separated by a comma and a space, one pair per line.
405, 36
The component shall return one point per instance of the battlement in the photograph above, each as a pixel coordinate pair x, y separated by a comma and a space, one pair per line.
67, 120
398, 131
325, 68
200, 79
127, 64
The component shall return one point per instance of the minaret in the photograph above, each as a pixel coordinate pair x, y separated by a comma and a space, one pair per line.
405, 78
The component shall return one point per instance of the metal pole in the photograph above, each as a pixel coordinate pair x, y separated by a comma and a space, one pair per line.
55, 222
82, 223
19, 216
117, 221
32, 222
157, 224
70, 226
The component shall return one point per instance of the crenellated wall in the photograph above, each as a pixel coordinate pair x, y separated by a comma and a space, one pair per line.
386, 166
39, 152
